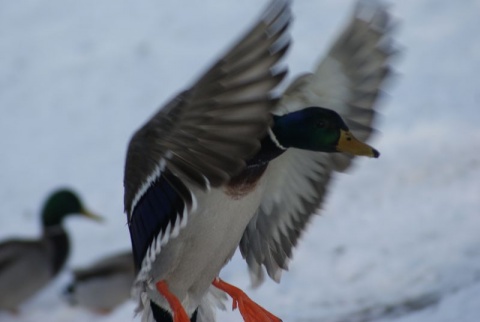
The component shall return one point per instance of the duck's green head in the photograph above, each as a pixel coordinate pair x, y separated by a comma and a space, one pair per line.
318, 129
61, 204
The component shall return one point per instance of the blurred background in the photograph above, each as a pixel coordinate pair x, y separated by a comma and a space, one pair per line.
399, 237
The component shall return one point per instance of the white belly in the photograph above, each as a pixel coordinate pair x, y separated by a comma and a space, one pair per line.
191, 261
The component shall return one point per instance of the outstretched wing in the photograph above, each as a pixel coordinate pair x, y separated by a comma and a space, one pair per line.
348, 80
204, 135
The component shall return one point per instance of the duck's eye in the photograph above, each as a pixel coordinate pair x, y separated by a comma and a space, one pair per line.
321, 124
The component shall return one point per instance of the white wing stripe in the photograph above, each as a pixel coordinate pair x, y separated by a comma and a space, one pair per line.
150, 180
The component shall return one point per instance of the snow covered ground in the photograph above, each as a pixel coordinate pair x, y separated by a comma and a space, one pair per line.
399, 239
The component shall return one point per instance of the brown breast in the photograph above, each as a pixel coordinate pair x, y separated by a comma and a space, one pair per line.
244, 183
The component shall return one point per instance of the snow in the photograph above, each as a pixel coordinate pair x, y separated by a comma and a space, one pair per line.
398, 239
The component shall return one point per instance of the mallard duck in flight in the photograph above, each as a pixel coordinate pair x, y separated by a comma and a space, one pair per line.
226, 164
26, 266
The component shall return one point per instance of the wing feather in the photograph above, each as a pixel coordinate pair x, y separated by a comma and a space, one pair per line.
348, 80
227, 110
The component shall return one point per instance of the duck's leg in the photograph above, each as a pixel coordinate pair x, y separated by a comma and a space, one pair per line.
179, 314
250, 311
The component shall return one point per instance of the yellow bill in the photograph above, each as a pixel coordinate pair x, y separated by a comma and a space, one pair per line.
91, 215
350, 144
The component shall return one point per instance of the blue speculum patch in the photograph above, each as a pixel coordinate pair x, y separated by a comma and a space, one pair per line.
161, 204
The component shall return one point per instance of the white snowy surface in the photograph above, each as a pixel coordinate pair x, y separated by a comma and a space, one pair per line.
399, 237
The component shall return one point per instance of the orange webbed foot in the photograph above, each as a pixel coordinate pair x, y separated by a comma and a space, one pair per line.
179, 314
250, 311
